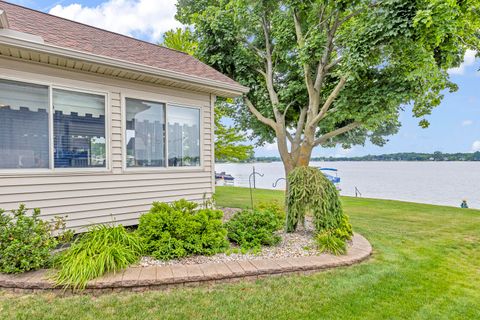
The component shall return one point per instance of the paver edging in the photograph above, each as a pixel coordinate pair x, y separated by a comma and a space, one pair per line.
167, 277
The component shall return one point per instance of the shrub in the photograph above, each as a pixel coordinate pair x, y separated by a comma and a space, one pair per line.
26, 241
180, 229
274, 207
103, 249
252, 229
310, 190
327, 241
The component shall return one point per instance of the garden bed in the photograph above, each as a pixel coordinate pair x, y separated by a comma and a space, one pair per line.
292, 245
168, 276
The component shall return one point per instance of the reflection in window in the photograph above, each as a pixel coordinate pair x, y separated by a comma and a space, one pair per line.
145, 134
79, 129
183, 136
23, 125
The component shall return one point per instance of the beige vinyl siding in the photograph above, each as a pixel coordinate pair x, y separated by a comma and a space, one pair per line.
115, 194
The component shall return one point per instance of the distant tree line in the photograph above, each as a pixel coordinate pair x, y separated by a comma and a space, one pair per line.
401, 156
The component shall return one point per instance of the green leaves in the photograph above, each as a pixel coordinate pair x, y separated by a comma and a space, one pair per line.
180, 229
252, 229
309, 191
102, 249
26, 241
396, 54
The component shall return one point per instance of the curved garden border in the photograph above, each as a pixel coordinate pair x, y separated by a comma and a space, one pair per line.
164, 277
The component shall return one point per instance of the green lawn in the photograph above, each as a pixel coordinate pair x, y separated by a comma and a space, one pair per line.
426, 265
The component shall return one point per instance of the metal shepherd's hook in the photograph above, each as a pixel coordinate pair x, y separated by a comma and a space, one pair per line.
276, 182
250, 184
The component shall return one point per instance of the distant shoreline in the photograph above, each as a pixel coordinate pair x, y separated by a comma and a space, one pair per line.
403, 156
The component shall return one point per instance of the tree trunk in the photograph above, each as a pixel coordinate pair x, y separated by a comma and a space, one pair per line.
305, 155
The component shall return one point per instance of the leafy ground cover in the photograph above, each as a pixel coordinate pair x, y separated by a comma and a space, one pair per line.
426, 265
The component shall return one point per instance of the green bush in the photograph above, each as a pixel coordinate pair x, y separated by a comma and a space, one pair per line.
103, 249
328, 241
274, 207
26, 241
310, 191
180, 229
252, 229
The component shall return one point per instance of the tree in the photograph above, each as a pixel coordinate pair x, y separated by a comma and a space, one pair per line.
181, 40
324, 72
228, 141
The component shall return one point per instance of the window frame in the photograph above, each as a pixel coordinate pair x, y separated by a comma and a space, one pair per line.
124, 136
51, 161
200, 134
155, 99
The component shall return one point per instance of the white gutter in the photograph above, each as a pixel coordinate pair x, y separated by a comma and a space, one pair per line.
3, 20
231, 89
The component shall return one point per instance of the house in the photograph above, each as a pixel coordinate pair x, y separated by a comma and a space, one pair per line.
95, 125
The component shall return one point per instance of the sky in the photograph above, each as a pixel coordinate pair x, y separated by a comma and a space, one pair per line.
454, 125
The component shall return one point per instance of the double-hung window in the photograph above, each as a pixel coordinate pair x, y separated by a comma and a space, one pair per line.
160, 135
45, 127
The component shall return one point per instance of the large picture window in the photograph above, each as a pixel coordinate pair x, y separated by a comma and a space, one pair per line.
23, 125
183, 136
79, 129
145, 133
74, 121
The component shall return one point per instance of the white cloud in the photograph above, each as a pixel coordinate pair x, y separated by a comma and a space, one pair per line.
467, 123
468, 60
141, 18
476, 146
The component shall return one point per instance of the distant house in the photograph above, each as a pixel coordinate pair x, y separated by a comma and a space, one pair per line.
96, 125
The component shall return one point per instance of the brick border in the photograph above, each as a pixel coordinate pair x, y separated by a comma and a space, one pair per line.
166, 277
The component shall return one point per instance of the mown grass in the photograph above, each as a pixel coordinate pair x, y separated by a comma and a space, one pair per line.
426, 265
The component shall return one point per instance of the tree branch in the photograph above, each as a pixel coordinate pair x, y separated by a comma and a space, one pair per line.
269, 69
333, 95
333, 63
321, 69
259, 52
336, 132
301, 44
258, 115
300, 124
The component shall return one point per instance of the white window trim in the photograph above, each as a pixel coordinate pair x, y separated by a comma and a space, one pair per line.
51, 169
166, 168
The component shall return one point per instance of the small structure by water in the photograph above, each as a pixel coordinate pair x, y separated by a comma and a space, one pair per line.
335, 179
223, 176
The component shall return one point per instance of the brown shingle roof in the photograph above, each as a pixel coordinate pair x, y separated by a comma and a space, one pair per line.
73, 35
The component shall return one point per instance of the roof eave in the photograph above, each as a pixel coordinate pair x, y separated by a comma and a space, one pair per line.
226, 89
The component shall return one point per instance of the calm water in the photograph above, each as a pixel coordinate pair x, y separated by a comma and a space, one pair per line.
445, 183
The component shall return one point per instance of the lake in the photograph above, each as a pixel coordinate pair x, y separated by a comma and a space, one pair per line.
445, 183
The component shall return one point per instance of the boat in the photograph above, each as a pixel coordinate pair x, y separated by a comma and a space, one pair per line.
224, 176
335, 179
